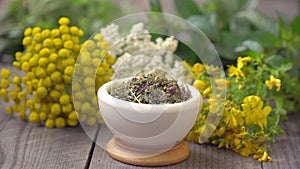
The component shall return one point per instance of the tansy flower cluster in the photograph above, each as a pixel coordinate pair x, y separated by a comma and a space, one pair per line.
248, 122
43, 94
93, 68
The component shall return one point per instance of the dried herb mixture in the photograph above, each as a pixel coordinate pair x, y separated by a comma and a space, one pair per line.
151, 87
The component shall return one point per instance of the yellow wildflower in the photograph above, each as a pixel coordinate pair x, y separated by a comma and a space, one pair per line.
197, 68
255, 113
243, 60
248, 149
222, 84
236, 71
273, 82
207, 91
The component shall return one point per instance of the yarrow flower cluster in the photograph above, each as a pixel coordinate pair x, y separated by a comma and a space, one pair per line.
43, 94
137, 51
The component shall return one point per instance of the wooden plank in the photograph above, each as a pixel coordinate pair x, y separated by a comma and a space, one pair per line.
202, 156
286, 150
25, 145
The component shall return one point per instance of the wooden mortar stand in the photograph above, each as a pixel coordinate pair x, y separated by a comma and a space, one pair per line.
129, 155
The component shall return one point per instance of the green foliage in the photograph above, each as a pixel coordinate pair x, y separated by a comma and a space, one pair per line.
186, 8
155, 6
237, 27
90, 15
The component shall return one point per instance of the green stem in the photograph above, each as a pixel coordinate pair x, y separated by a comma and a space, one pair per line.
135, 98
155, 6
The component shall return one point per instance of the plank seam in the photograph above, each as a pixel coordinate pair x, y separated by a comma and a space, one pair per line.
91, 152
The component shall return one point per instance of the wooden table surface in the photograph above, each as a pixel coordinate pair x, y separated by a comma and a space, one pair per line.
28, 146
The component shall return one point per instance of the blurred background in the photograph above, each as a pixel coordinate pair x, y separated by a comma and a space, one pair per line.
228, 23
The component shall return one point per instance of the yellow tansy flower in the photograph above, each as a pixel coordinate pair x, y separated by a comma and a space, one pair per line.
34, 117
5, 73
60, 122
64, 21
27, 31
49, 123
55, 108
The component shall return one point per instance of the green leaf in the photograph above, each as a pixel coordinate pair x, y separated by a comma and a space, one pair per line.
280, 111
296, 25
283, 20
226, 45
252, 54
204, 25
279, 63
266, 39
155, 6
253, 46
285, 67
263, 91
259, 20
186, 8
